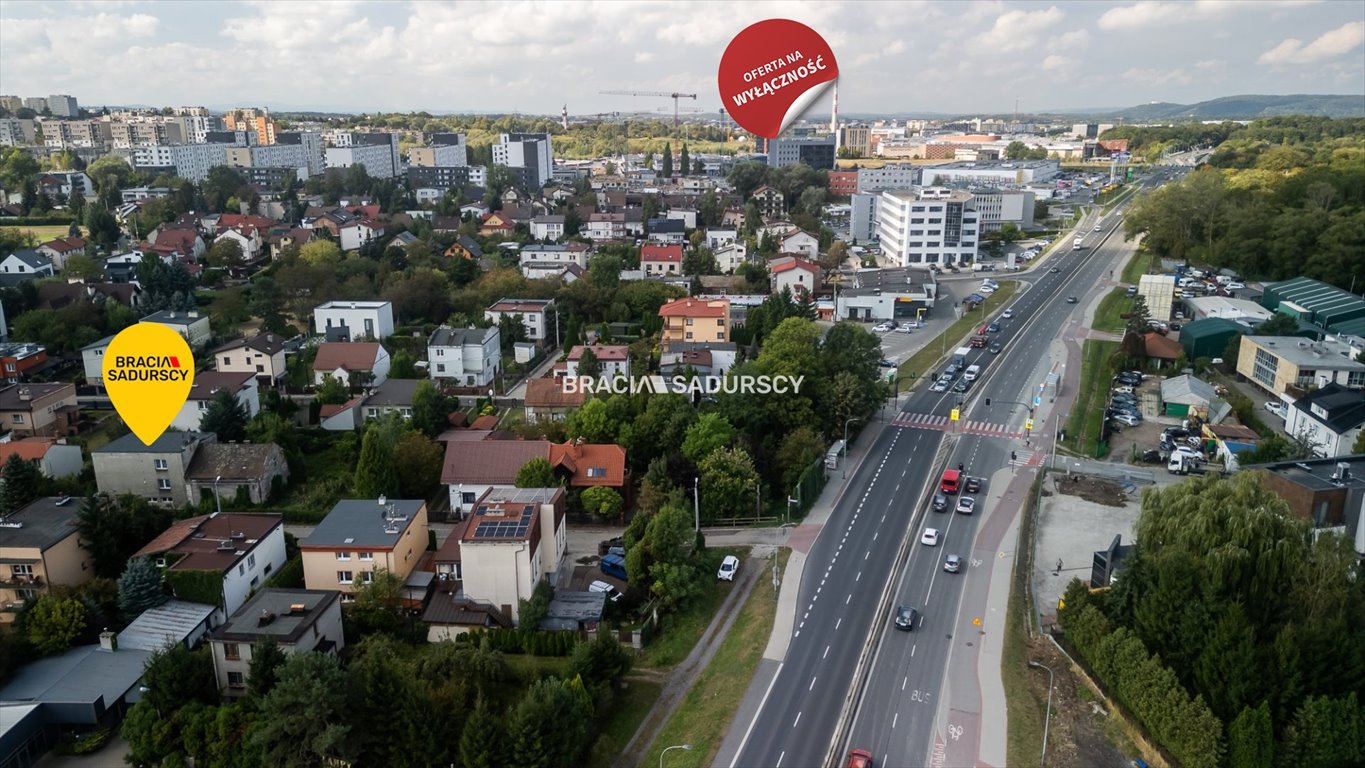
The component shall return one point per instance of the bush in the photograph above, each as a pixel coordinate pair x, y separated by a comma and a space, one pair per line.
91, 742
533, 642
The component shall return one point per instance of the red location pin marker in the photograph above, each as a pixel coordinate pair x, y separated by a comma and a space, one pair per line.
771, 72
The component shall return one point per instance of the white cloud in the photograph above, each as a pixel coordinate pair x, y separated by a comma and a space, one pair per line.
1076, 38
1017, 30
1152, 13
1341, 40
1157, 77
1054, 63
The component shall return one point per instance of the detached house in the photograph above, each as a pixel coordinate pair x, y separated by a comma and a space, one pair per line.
658, 260
294, 620
497, 223
540, 261
61, 249
54, 456
547, 227
534, 314
221, 470
464, 247
354, 320
695, 320
24, 265
42, 547
1330, 418
155, 472
261, 355
769, 201
606, 226
799, 242
244, 548
613, 358
352, 363
514, 539
361, 536
39, 409
794, 274
191, 325
206, 386
474, 467
464, 357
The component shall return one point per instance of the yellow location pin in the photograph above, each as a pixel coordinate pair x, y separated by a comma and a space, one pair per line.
148, 370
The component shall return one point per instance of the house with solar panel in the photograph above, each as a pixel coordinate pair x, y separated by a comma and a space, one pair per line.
512, 540
361, 536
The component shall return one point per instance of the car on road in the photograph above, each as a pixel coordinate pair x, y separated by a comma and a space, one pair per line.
993, 327
1128, 419
612, 593
973, 485
939, 386
905, 619
952, 563
1276, 408
950, 372
728, 567
995, 349
886, 363
962, 386
1007, 314
1071, 299
904, 329
1054, 271
940, 503
966, 505
1098, 227
859, 758
929, 538
881, 327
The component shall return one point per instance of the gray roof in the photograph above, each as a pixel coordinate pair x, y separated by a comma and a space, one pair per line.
79, 676
266, 343
286, 628
568, 610
360, 523
1304, 353
43, 524
458, 337
170, 623
171, 317
104, 342
1342, 409
1316, 474
169, 442
393, 392
1186, 390
32, 258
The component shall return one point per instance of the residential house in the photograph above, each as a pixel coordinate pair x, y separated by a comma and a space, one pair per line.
92, 359
472, 468
55, 457
702, 359
732, 218
464, 247
657, 260
587, 465
533, 313
695, 320
39, 409
794, 274
21, 362
293, 620
361, 536
801, 243
547, 399
206, 386
718, 237
42, 547
769, 201
450, 614
248, 241
667, 231
497, 223
55, 295
1329, 418
606, 226
354, 320
170, 239
61, 249
514, 539
353, 363
261, 355
1328, 492
26, 264
393, 396
547, 228
281, 238
401, 241
1275, 363
191, 325
154, 472
538, 261
224, 470
245, 548
464, 357
614, 360
731, 256
1162, 351
687, 216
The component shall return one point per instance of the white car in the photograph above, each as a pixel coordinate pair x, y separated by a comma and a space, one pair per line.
1276, 408
930, 537
1185, 450
985, 290
612, 593
728, 567
1127, 419
903, 329
1007, 314
1123, 390
940, 386
1234, 286
881, 328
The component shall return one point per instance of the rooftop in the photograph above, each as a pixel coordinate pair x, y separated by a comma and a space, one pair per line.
1318, 474
207, 383
20, 397
1304, 353
1335, 406
690, 307
489, 462
550, 393
231, 461
394, 393
41, 524
603, 352
508, 514
167, 624
353, 305
81, 676
172, 317
520, 305
458, 337
169, 442
365, 523
455, 609
265, 343
350, 355
212, 542
287, 615
568, 610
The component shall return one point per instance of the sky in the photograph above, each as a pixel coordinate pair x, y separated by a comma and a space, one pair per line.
952, 56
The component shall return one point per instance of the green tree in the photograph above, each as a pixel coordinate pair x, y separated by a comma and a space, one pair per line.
54, 623
1251, 739
1359, 446
267, 659
588, 364
221, 184
375, 473
798, 450
1279, 324
532, 610
225, 252
16, 167
597, 421
699, 261
112, 529
101, 227
600, 663
684, 161
1326, 732
302, 718
536, 473
176, 677
728, 485
1016, 150
666, 167
430, 409
483, 744
225, 416
549, 727
23, 482
709, 433
332, 391
418, 461
603, 502
140, 587
321, 253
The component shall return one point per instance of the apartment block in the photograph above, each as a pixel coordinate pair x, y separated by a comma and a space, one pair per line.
928, 225
378, 152
532, 151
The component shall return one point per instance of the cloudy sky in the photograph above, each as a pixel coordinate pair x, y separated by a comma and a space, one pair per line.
533, 57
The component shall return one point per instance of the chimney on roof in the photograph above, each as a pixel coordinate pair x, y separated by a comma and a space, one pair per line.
108, 641
265, 618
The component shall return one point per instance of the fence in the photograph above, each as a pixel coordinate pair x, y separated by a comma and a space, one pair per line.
810, 485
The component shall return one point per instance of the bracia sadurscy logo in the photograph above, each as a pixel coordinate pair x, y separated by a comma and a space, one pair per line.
146, 368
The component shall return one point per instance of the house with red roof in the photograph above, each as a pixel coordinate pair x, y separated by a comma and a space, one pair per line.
795, 274
657, 259
53, 455
61, 249
472, 468
691, 320
351, 362
496, 224
177, 241
244, 549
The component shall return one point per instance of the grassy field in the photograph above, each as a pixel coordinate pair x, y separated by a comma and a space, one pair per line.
1023, 710
46, 232
705, 713
1087, 414
1107, 318
680, 633
926, 359
628, 709
1138, 266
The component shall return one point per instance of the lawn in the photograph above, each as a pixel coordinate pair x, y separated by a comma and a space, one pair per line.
47, 232
1024, 712
704, 715
679, 633
927, 359
1108, 313
628, 710
529, 667
1138, 266
1087, 414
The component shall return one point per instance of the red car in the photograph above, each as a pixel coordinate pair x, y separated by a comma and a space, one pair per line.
859, 758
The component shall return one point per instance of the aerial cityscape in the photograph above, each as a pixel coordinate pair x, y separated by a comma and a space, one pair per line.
1007, 408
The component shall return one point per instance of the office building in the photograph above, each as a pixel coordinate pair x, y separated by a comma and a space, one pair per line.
532, 151
894, 176
816, 152
994, 173
856, 139
928, 225
998, 206
862, 223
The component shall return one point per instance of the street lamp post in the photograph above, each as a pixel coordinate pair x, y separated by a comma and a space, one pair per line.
846, 423
683, 747
217, 500
1042, 760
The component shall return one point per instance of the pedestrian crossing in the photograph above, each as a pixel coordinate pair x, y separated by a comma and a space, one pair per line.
966, 426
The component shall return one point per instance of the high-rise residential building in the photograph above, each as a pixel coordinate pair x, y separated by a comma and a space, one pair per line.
16, 133
126, 135
532, 151
928, 225
378, 152
190, 161
311, 143
11, 103
67, 134
299, 152
62, 105
447, 150
252, 119
196, 127
893, 176
35, 103
856, 138
816, 152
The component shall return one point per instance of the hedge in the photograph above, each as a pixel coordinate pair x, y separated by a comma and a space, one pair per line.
289, 576
197, 586
1150, 690
35, 221
534, 642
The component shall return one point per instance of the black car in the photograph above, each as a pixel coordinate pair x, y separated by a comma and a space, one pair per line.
973, 485
906, 617
1151, 457
1071, 299
962, 386
886, 363
603, 547
940, 503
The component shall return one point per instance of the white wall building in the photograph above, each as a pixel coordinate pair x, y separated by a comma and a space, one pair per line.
361, 319
862, 222
378, 152
534, 314
515, 538
928, 225
465, 357
191, 161
994, 173
205, 387
526, 150
891, 176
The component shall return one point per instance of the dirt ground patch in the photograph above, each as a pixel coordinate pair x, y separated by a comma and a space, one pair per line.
1093, 489
1083, 730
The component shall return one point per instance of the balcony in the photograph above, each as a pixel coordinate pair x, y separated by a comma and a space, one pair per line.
21, 580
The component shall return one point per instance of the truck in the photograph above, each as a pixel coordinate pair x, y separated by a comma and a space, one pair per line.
960, 356
1184, 464
977, 342
971, 373
1076, 244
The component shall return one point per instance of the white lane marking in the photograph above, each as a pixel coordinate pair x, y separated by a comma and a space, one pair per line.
826, 654
866, 554
859, 577
812, 684
797, 720
837, 623
894, 719
905, 682
779, 759
754, 721
912, 651
847, 599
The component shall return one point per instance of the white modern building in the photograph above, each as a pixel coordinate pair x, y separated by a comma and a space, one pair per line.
534, 315
890, 176
354, 320
532, 151
928, 225
378, 152
514, 538
191, 325
862, 222
997, 206
191, 161
992, 173
464, 357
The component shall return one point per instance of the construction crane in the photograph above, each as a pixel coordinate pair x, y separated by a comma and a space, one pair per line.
674, 95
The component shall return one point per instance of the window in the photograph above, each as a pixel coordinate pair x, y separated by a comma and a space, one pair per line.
372, 412
227, 360
18, 418
241, 569
597, 471
162, 465
260, 368
440, 367
232, 652
366, 556
343, 555
163, 483
21, 570
367, 577
236, 680
251, 560
344, 577
268, 568
689, 321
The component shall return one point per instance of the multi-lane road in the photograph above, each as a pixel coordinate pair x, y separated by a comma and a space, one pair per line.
861, 552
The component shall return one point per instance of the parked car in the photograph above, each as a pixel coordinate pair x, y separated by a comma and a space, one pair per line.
1185, 450
1276, 407
604, 547
952, 564
905, 619
1123, 390
881, 327
1128, 419
887, 363
728, 567
612, 593
929, 538
903, 329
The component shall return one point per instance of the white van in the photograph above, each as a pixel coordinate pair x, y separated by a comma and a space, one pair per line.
971, 373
